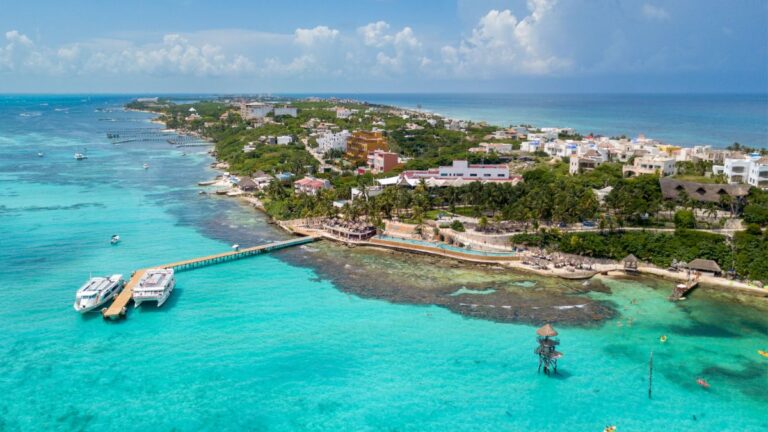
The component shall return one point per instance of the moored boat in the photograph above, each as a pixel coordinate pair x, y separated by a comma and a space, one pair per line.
156, 285
97, 291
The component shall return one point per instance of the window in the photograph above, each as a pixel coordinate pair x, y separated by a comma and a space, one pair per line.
473, 175
486, 175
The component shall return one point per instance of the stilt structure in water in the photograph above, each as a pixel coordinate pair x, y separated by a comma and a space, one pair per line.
546, 350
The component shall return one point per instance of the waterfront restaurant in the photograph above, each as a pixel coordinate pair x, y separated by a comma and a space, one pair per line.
356, 231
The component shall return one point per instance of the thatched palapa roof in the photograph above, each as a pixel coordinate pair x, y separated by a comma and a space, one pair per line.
708, 192
630, 259
704, 265
546, 330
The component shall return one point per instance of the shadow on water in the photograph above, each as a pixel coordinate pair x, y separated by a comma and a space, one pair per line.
561, 375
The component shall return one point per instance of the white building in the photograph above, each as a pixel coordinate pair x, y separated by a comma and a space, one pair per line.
751, 170
254, 110
465, 170
587, 162
343, 113
286, 111
332, 141
498, 148
284, 140
657, 165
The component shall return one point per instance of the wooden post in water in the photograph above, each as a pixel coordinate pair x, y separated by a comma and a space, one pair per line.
650, 375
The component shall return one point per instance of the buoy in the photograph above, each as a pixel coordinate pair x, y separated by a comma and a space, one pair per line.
663, 339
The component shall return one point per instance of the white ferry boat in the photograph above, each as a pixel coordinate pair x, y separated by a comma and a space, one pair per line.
155, 285
97, 291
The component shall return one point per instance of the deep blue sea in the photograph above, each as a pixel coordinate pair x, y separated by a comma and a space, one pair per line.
262, 344
681, 119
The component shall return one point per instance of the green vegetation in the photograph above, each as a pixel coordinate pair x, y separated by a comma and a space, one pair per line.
657, 248
684, 219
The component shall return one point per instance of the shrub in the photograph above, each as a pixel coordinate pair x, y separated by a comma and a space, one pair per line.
457, 226
685, 219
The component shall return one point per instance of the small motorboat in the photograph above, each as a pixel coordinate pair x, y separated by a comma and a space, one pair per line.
40, 154
115, 239
80, 156
146, 166
703, 383
236, 247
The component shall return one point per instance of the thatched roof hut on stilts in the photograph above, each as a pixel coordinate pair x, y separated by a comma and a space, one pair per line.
546, 350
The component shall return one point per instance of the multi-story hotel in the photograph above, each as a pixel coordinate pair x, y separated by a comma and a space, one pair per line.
361, 143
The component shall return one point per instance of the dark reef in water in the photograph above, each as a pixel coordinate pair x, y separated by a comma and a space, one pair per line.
487, 292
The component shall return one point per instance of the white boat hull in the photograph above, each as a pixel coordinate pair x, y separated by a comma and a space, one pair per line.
82, 306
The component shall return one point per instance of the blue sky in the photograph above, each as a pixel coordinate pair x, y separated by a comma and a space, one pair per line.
385, 46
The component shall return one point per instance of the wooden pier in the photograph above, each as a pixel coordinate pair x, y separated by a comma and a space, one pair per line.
681, 290
118, 308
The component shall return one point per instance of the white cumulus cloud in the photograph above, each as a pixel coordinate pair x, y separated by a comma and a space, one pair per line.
502, 44
310, 37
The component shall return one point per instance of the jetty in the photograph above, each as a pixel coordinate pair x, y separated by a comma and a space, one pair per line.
684, 288
118, 308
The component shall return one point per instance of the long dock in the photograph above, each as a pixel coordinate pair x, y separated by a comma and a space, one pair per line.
118, 308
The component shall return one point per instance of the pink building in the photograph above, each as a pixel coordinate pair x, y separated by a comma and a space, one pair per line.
310, 185
380, 161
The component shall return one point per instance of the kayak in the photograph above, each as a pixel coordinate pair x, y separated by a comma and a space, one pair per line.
763, 353
702, 382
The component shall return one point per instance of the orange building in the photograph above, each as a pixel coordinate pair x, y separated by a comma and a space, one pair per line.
363, 142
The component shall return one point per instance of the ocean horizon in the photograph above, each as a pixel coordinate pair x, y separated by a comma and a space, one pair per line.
685, 119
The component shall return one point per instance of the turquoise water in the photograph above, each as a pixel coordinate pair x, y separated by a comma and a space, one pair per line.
259, 344
445, 246
682, 119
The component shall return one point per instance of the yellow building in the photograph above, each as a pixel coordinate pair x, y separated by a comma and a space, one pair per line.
361, 143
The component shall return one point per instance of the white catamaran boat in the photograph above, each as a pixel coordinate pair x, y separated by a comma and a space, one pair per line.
155, 285
97, 291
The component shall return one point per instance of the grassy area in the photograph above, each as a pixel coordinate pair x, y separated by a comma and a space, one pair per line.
696, 178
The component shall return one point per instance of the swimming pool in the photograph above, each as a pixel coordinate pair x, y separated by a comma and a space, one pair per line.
445, 246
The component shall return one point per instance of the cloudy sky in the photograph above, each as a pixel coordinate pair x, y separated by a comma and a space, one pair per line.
384, 46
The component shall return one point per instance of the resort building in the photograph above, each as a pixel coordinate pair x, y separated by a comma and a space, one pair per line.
311, 185
361, 143
254, 110
332, 141
655, 165
286, 111
343, 113
458, 174
498, 148
380, 161
589, 161
752, 170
